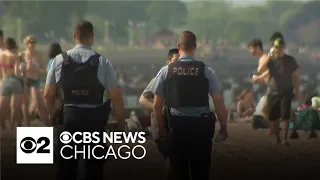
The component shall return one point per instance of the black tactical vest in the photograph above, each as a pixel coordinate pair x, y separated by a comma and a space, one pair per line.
79, 83
186, 85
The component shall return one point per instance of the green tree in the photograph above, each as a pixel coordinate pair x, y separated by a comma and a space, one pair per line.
207, 19
98, 24
167, 13
73, 20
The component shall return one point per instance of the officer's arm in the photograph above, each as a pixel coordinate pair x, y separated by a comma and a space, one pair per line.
50, 89
158, 101
113, 89
215, 92
146, 98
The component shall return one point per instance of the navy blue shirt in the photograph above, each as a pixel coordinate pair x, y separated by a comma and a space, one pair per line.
214, 88
81, 54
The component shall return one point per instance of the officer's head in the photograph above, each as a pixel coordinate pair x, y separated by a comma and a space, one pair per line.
11, 44
1, 36
187, 43
255, 47
279, 47
83, 33
30, 42
173, 55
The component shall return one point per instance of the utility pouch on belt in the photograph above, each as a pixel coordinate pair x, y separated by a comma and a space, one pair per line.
206, 124
165, 118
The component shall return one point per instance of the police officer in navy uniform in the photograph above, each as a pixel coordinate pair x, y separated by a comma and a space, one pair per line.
185, 85
80, 77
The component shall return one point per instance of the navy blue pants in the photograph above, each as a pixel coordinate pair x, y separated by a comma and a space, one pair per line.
191, 146
81, 120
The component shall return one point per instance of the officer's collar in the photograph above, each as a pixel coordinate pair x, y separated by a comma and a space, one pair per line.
185, 57
82, 46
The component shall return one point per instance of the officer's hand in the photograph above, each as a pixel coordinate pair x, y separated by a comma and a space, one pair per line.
225, 132
222, 135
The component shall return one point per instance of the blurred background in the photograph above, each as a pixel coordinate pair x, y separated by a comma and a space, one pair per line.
136, 35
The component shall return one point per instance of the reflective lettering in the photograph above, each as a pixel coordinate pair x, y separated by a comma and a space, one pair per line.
182, 71
80, 92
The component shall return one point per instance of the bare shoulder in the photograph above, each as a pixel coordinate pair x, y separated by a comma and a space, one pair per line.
264, 58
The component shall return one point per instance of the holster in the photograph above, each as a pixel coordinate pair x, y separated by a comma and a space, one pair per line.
165, 118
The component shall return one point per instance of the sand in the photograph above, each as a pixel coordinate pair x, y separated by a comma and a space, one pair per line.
247, 154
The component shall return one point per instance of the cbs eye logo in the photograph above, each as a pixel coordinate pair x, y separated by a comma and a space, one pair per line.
29, 145
65, 137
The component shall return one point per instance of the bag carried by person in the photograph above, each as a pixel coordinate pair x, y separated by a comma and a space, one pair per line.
258, 122
307, 119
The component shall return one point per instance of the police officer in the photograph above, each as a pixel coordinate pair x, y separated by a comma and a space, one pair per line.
81, 76
185, 85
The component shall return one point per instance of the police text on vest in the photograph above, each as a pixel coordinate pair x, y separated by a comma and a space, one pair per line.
80, 92
183, 71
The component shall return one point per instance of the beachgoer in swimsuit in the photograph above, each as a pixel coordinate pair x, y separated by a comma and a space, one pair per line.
246, 104
11, 88
35, 67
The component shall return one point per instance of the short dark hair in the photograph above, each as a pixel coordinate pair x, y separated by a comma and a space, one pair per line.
172, 52
187, 41
1, 33
276, 35
10, 44
54, 50
255, 43
84, 29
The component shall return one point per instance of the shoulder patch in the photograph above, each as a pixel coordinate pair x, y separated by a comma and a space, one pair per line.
159, 73
210, 69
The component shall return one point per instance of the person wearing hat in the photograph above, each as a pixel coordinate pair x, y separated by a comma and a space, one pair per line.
274, 36
283, 86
